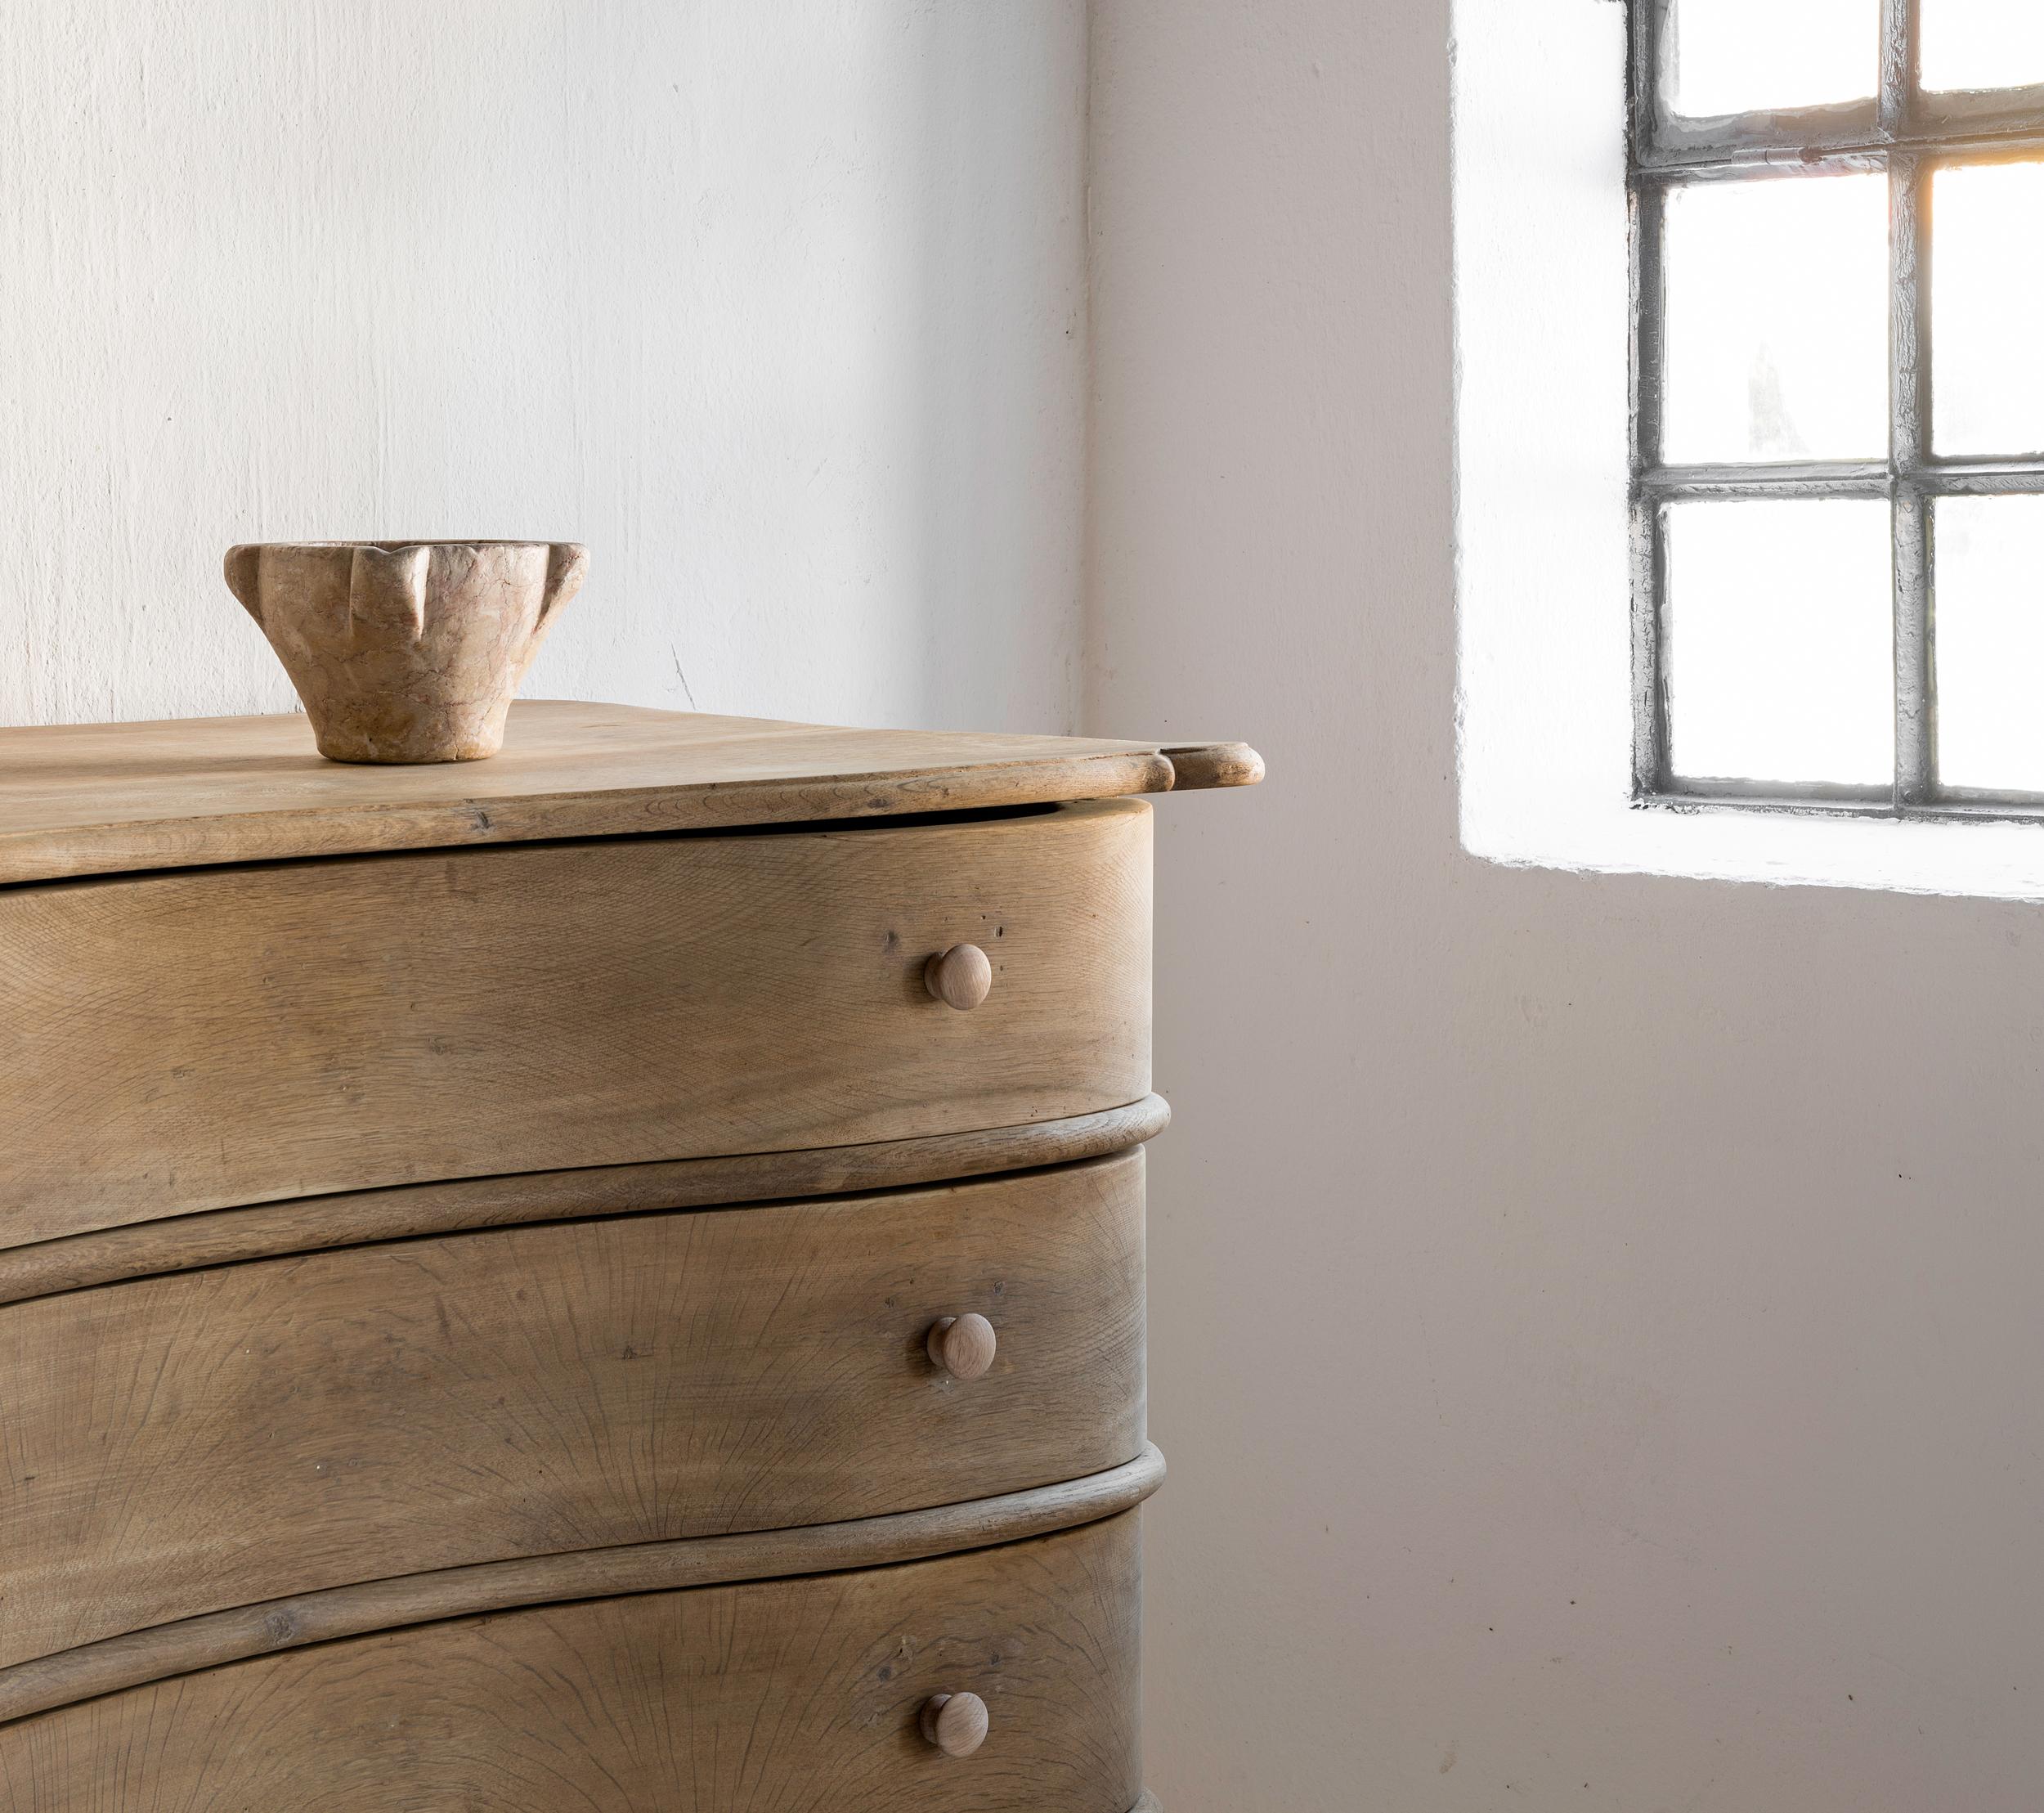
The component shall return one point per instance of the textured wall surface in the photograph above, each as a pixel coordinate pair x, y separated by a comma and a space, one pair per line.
780, 308
1595, 1332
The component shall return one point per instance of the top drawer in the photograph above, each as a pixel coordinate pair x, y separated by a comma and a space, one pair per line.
194, 1039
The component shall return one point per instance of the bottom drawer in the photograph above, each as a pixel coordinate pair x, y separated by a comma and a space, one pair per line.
783, 1696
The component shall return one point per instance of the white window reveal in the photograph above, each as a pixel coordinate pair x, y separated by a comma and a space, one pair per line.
1750, 425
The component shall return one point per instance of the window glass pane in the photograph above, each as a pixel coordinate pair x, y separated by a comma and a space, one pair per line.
1735, 56
1777, 320
1990, 642
1987, 281
1780, 658
1983, 44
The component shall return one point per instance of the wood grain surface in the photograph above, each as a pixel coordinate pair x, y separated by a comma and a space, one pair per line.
1198, 766
185, 1041
227, 1235
182, 1444
107, 798
784, 1696
269, 1626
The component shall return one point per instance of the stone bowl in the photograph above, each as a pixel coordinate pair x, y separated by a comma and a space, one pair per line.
405, 651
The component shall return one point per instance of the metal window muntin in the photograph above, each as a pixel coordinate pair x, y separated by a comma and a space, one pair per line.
1969, 125
1907, 133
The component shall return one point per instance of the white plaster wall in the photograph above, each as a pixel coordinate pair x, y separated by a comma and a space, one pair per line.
780, 307
1594, 1319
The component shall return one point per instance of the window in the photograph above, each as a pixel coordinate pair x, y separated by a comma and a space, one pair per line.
1837, 376
1548, 639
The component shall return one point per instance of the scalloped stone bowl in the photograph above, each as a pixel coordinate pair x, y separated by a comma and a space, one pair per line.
405, 651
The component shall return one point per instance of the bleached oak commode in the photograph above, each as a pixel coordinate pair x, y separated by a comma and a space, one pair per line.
607, 1278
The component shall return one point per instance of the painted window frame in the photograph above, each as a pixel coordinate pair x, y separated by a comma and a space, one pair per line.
1906, 134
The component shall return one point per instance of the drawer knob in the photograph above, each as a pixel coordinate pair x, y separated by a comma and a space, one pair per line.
959, 977
962, 1345
956, 1723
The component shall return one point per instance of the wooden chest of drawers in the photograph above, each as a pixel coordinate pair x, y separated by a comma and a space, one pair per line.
542, 1284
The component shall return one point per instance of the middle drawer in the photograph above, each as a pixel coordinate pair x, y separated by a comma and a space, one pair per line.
181, 1444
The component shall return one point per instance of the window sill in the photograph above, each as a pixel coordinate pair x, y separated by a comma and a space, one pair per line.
1998, 859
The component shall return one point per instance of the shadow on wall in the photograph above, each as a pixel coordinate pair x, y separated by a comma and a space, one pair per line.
1001, 348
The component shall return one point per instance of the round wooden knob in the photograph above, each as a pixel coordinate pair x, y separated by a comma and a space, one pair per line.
962, 1345
959, 977
956, 1723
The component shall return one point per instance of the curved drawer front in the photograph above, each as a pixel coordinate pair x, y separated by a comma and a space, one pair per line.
182, 1444
196, 1039
782, 1697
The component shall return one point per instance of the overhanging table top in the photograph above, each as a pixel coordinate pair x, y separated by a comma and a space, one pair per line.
101, 799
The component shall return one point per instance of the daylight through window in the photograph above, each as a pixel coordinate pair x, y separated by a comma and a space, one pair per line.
1838, 388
